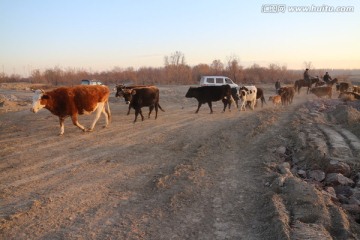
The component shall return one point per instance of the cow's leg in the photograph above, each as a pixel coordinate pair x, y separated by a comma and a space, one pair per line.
106, 113
98, 111
253, 104
156, 110
142, 117
150, 110
225, 102
210, 106
61, 120
129, 109
136, 114
74, 118
199, 105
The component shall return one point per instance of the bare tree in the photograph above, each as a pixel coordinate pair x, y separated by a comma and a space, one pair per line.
176, 59
308, 65
234, 69
217, 67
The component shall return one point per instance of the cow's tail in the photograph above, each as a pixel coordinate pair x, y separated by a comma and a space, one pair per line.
160, 107
107, 110
263, 100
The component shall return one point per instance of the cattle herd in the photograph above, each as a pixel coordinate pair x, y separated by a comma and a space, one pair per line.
73, 101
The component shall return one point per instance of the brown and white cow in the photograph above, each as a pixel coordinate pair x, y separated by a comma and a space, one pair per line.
73, 101
322, 91
248, 94
142, 97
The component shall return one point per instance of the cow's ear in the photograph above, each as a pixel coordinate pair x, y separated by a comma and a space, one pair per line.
133, 92
45, 96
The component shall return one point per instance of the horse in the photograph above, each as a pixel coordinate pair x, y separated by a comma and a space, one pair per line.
332, 82
304, 83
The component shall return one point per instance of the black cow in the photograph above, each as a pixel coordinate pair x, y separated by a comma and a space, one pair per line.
142, 97
121, 87
208, 94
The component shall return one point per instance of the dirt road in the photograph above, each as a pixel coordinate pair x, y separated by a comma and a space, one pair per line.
182, 176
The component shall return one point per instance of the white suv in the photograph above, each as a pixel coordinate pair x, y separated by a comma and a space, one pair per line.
217, 81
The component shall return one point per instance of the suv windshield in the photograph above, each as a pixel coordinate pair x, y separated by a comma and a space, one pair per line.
228, 81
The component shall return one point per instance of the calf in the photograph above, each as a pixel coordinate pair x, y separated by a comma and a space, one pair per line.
250, 96
209, 94
143, 97
349, 96
322, 91
287, 95
276, 100
72, 101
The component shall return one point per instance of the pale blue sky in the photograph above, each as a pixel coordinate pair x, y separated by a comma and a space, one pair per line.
100, 35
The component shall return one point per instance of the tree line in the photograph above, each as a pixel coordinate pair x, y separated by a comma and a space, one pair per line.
175, 72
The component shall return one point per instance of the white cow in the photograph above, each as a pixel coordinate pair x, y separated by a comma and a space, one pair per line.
247, 94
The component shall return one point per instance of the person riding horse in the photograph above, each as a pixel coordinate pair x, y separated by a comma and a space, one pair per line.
307, 76
327, 77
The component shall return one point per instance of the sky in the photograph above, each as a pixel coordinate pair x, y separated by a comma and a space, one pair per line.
102, 35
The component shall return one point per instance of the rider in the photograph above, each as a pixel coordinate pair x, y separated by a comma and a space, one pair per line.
307, 76
327, 77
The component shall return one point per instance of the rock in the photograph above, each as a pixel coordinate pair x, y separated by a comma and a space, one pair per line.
280, 181
284, 168
357, 179
331, 191
353, 200
356, 192
353, 209
343, 199
281, 150
346, 191
317, 175
335, 179
301, 173
336, 166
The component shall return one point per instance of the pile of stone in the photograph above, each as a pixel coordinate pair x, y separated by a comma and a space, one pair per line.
335, 179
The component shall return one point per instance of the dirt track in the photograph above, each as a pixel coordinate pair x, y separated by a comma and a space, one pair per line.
182, 176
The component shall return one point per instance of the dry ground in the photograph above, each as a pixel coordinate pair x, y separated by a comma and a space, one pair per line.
182, 176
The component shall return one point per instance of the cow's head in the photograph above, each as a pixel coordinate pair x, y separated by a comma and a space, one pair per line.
39, 100
191, 92
282, 91
243, 94
119, 89
128, 94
